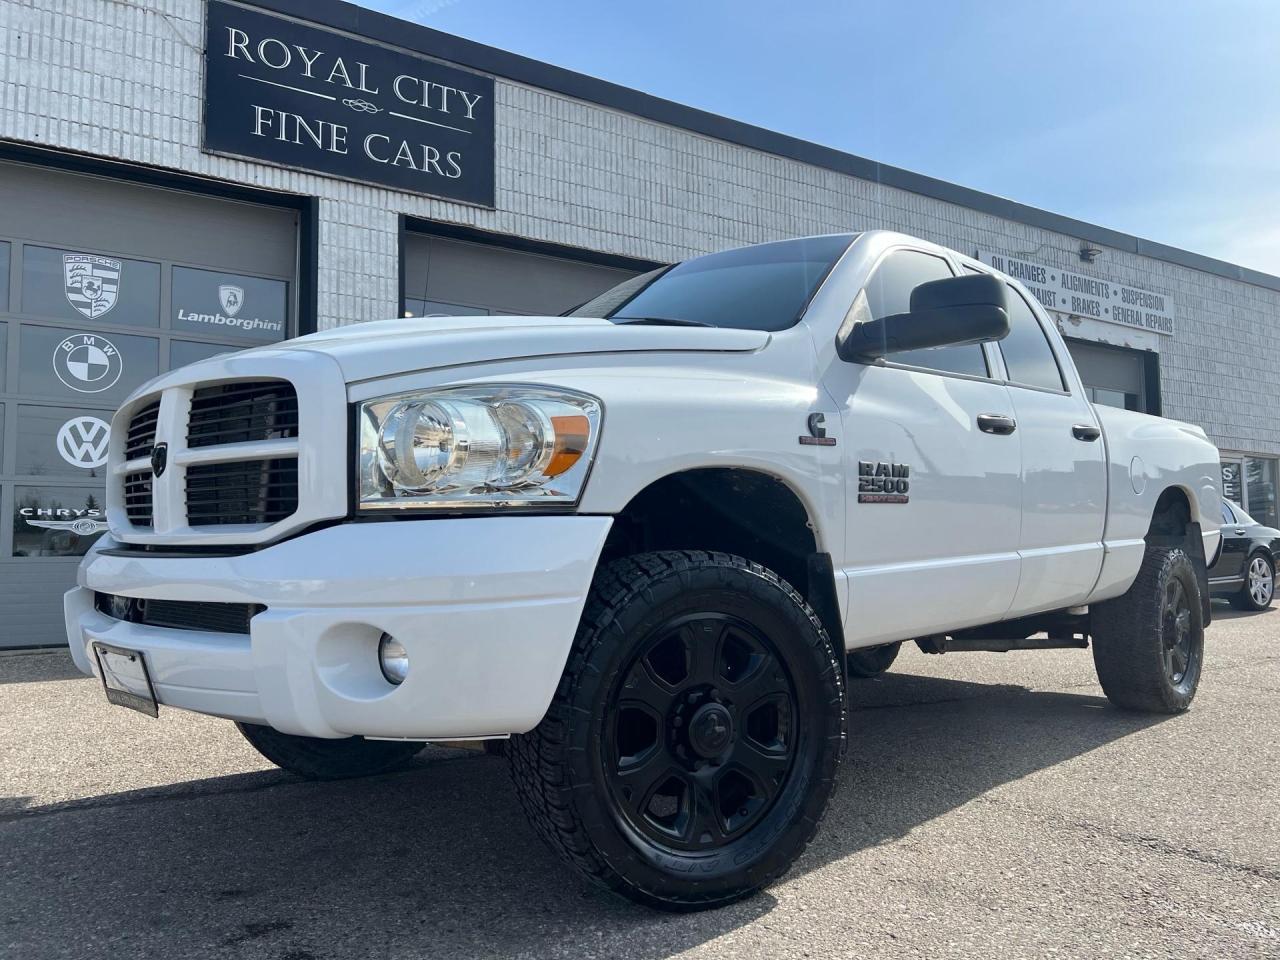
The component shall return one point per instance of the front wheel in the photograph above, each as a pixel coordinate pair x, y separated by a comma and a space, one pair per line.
690, 749
1148, 644
1259, 584
315, 758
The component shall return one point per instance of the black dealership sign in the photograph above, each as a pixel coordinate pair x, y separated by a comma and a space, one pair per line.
302, 96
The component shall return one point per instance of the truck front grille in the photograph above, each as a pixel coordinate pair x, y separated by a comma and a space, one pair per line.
142, 432
248, 491
256, 487
137, 498
180, 614
241, 412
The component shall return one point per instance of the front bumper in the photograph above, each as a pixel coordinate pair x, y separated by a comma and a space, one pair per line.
487, 609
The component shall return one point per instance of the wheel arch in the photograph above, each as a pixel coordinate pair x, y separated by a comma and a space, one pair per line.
1175, 523
747, 512
1173, 511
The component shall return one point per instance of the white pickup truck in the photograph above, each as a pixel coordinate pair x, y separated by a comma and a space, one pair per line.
647, 542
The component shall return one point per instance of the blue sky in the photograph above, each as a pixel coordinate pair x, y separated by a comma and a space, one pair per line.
1157, 118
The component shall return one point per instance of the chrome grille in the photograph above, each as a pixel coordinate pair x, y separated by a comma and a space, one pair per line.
250, 491
242, 412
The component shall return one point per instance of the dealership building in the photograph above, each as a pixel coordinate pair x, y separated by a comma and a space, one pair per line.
180, 178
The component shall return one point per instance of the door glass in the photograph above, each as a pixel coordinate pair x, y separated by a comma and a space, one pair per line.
4, 276
1027, 354
56, 521
889, 292
78, 286
1260, 490
182, 352
62, 441
251, 309
1112, 398
79, 365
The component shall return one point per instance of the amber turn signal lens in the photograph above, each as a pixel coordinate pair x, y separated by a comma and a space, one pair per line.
572, 434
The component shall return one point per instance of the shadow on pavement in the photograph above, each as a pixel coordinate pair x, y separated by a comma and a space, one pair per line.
438, 861
1222, 610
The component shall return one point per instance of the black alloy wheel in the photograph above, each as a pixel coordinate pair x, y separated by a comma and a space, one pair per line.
1176, 633
691, 747
704, 734
1148, 643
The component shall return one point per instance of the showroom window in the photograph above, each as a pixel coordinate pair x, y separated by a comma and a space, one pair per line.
1252, 482
103, 286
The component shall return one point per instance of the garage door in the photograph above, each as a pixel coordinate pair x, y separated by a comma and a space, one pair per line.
446, 277
1114, 376
103, 285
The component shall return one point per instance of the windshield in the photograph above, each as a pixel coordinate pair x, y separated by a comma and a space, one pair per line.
765, 287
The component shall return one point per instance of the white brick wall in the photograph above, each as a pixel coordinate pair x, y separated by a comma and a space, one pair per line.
121, 78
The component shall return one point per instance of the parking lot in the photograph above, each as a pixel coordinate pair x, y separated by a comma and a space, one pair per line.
990, 805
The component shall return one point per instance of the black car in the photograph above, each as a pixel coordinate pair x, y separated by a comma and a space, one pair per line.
1245, 572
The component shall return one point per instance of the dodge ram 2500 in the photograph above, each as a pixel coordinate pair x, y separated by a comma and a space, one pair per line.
646, 543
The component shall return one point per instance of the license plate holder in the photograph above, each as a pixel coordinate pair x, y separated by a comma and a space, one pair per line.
125, 678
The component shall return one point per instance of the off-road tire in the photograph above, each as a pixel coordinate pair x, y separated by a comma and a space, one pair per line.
561, 770
1131, 636
1244, 599
315, 758
871, 661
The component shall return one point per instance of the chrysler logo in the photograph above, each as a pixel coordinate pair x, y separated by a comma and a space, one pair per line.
159, 458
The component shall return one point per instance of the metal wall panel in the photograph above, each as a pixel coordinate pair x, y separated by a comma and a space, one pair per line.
103, 285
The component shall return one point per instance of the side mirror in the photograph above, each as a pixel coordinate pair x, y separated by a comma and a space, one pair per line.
948, 312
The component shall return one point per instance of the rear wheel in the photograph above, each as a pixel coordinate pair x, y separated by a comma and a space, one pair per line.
1148, 645
315, 758
690, 749
1259, 584
871, 661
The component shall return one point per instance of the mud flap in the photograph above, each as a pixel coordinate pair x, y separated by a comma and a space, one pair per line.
1194, 546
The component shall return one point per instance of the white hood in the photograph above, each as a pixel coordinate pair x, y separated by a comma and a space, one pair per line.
367, 351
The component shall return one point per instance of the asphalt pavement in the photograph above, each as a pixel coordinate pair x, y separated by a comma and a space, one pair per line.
991, 805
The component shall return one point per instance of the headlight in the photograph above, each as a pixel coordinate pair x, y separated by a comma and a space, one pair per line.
464, 447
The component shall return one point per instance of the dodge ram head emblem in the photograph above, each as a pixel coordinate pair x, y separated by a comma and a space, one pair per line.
880, 481
159, 458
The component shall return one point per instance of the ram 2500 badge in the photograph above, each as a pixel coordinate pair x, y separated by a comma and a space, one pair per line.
647, 542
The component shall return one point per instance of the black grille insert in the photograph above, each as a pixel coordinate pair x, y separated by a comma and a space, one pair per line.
242, 412
250, 491
137, 498
142, 432
180, 614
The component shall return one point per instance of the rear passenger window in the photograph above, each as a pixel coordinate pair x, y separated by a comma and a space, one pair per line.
1027, 354
889, 292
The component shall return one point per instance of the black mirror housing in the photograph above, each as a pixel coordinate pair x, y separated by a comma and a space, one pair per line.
953, 311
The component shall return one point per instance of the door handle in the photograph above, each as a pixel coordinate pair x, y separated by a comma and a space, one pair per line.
1239, 531
996, 423
1085, 432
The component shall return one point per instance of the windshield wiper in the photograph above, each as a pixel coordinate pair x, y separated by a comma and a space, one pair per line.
659, 322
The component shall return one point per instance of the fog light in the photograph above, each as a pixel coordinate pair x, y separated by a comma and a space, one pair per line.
393, 659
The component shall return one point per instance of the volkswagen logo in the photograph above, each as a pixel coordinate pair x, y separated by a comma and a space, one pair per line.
159, 458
